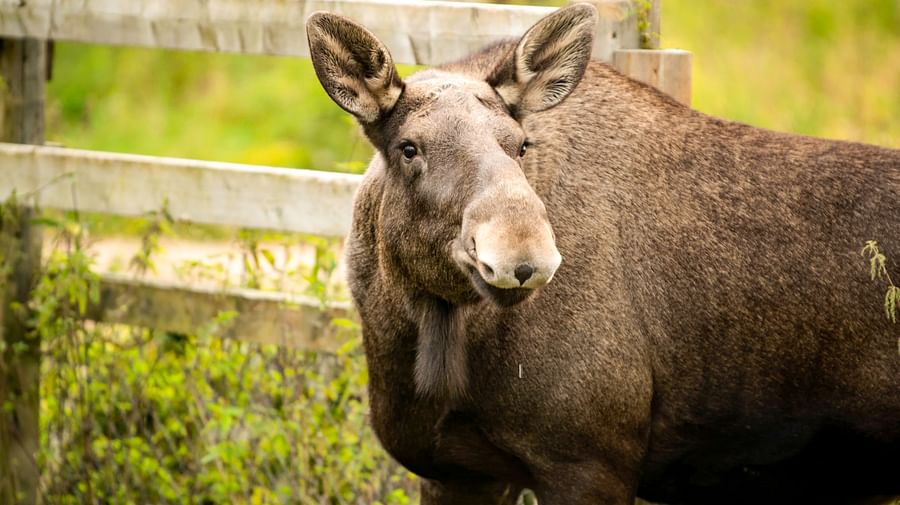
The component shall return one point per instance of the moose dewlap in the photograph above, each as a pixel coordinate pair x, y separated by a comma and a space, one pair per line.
571, 283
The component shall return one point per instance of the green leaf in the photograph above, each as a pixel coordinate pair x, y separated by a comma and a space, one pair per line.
267, 254
341, 322
47, 221
347, 347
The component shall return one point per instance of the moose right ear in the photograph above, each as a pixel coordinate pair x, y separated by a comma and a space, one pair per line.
354, 67
548, 61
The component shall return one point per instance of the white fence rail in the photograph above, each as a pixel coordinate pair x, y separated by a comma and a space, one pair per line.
247, 196
263, 317
416, 31
208, 192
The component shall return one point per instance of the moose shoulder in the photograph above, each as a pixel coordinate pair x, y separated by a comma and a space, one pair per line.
569, 282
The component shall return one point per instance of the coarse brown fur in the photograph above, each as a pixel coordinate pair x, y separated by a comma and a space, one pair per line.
711, 335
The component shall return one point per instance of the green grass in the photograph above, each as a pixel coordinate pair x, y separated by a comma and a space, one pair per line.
815, 67
263, 110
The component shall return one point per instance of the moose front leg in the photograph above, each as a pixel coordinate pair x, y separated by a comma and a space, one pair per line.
468, 493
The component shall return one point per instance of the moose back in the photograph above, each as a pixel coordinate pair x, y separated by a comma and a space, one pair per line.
571, 283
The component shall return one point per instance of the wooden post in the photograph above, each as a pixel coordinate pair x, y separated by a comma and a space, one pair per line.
668, 70
617, 27
23, 64
628, 38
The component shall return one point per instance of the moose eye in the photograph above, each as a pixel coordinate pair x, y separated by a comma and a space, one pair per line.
409, 150
524, 148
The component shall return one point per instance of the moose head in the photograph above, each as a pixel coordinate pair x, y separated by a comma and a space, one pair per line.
458, 215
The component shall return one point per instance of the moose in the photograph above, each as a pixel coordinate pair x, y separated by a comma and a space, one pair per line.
571, 283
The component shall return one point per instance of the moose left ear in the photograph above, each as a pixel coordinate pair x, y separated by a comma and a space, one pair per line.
354, 67
549, 60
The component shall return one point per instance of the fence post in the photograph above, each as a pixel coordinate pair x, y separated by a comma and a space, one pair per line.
668, 70
23, 67
628, 38
637, 53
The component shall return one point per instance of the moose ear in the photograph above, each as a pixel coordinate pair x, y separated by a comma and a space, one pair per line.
354, 67
549, 60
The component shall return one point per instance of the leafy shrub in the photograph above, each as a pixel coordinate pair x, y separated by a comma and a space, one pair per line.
133, 415
137, 416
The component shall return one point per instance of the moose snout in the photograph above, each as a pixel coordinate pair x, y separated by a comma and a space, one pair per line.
506, 242
514, 256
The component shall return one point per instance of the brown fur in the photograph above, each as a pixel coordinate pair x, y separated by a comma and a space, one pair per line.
711, 335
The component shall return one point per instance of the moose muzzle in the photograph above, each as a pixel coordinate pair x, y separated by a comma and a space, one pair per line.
506, 241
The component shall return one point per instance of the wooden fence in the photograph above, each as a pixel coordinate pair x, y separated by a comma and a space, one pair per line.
290, 200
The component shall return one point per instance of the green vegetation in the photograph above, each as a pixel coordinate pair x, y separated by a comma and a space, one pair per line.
815, 67
643, 25
878, 271
137, 416
224, 107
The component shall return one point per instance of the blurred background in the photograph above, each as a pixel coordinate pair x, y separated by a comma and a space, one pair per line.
131, 415
815, 67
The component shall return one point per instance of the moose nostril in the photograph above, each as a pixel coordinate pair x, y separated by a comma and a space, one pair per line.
523, 272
